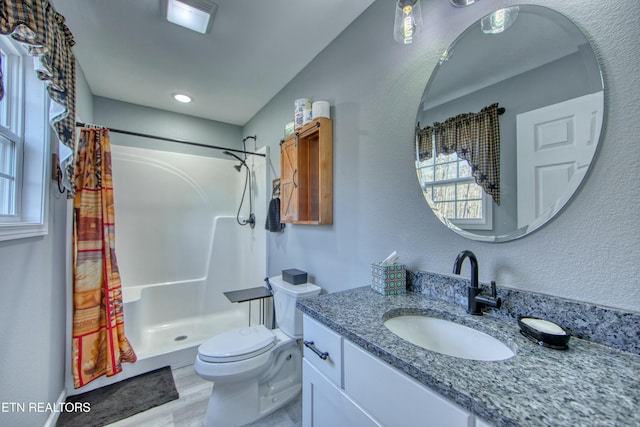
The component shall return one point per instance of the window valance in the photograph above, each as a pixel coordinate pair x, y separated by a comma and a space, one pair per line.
475, 137
36, 24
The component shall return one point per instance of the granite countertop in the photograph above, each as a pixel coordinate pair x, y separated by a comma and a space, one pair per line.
588, 384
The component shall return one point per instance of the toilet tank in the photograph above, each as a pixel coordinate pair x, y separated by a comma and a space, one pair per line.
285, 295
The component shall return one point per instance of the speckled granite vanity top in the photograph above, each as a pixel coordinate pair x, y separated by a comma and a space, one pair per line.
587, 385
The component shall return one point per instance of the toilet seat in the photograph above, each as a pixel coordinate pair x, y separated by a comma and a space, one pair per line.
237, 344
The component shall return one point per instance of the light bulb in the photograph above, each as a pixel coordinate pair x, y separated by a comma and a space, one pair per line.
408, 21
500, 20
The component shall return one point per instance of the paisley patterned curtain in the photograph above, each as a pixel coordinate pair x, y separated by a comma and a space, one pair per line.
99, 342
475, 137
36, 24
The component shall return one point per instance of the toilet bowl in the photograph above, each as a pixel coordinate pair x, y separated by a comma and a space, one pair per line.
254, 370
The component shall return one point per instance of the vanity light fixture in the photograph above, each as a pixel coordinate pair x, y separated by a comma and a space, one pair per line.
196, 15
408, 21
181, 97
500, 20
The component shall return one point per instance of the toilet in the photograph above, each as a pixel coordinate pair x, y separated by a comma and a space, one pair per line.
255, 370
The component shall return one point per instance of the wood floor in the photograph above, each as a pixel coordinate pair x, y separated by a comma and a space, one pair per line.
189, 409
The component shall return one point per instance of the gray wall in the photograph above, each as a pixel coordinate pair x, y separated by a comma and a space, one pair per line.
33, 307
136, 118
588, 253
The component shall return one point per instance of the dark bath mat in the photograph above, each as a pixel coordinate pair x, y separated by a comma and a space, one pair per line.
121, 400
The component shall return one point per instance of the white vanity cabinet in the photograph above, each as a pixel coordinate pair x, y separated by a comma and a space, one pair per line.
324, 402
353, 388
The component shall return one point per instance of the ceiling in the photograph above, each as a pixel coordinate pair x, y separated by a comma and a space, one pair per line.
128, 51
477, 60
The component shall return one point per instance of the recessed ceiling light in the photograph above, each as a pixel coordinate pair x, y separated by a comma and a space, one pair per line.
180, 97
194, 15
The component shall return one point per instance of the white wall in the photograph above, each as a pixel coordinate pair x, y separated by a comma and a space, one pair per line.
375, 86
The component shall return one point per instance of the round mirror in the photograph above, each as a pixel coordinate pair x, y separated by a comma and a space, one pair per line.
509, 123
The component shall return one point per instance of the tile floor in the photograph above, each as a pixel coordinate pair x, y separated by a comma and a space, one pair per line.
189, 409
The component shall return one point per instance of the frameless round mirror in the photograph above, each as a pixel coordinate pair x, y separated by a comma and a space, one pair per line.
509, 123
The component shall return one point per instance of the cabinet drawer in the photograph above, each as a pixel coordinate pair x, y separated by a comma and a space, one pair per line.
324, 341
393, 398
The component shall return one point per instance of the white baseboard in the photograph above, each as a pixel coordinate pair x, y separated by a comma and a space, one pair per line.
53, 417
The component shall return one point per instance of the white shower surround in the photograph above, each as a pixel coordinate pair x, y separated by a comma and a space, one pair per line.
179, 248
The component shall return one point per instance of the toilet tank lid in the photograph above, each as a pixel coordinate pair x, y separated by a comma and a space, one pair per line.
237, 342
299, 291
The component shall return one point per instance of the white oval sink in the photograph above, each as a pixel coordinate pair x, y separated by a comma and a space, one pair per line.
450, 338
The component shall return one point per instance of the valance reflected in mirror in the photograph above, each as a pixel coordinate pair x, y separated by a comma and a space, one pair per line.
509, 123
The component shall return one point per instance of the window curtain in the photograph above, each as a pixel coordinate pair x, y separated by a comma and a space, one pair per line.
36, 24
475, 137
99, 342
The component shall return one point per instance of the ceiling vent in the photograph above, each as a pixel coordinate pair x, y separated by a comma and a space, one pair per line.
196, 15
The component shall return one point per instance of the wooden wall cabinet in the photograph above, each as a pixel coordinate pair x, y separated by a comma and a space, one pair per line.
306, 174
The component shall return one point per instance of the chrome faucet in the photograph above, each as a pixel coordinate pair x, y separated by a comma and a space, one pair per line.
475, 300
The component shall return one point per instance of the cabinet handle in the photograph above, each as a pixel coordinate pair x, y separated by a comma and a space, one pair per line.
321, 354
293, 178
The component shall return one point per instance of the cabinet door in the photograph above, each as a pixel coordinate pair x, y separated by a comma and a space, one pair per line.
325, 405
393, 398
288, 181
306, 175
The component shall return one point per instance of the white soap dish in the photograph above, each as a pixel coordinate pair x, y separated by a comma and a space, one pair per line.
544, 332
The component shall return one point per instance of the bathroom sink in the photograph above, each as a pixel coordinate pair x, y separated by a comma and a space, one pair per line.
450, 338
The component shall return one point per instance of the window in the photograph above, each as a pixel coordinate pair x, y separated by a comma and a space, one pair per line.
453, 192
24, 146
7, 177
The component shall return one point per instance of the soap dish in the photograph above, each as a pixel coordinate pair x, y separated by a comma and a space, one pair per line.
544, 332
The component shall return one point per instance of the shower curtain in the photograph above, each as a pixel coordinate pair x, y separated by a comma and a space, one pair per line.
99, 343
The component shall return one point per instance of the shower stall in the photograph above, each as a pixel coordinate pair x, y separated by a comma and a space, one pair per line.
180, 245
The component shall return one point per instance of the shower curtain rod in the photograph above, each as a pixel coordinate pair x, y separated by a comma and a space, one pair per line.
162, 138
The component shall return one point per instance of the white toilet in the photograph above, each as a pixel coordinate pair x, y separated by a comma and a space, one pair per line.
255, 370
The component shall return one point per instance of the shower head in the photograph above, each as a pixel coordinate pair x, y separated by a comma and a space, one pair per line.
236, 167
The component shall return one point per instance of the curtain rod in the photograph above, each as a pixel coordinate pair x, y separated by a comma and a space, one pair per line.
162, 138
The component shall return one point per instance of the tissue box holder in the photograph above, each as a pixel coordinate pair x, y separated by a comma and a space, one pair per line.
294, 276
388, 279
